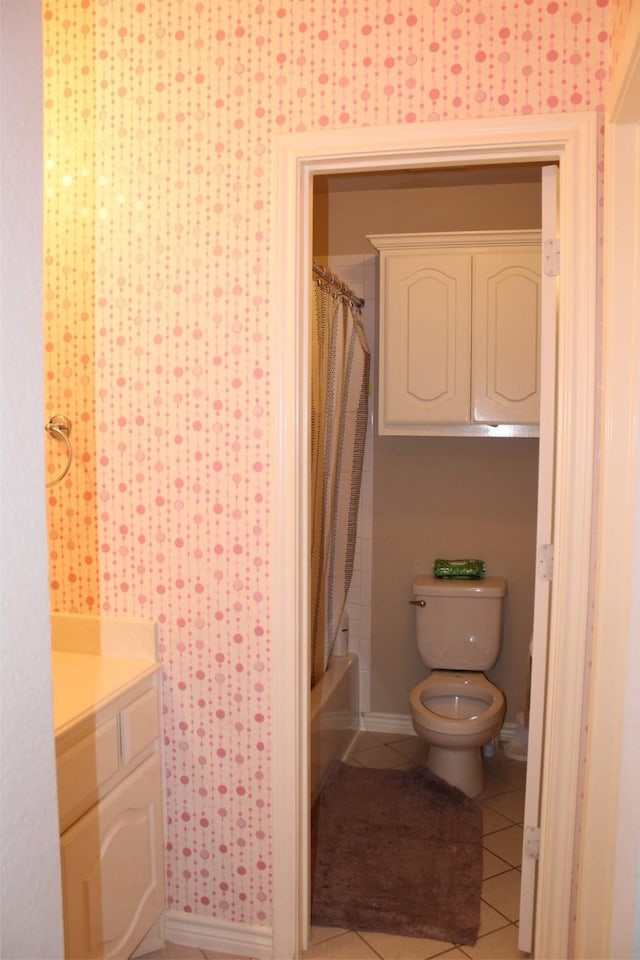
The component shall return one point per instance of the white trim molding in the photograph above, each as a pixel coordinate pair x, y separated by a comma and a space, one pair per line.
569, 140
237, 939
395, 724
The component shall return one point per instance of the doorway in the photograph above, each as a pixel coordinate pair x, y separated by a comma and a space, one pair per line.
442, 491
426, 485
570, 142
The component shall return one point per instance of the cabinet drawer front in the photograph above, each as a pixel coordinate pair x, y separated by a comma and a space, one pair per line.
84, 768
139, 724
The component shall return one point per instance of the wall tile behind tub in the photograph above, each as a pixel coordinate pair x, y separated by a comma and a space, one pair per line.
187, 98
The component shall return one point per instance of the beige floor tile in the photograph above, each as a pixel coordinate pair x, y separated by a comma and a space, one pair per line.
352, 761
346, 946
412, 748
500, 945
214, 955
492, 865
404, 948
380, 758
406, 763
503, 893
366, 740
515, 771
506, 844
490, 920
492, 764
509, 805
318, 934
174, 951
493, 786
394, 738
492, 821
455, 954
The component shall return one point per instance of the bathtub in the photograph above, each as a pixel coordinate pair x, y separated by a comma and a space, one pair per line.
334, 717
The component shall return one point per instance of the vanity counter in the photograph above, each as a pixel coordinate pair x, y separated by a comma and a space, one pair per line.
84, 684
94, 660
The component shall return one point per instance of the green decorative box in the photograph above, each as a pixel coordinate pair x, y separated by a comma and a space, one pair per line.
458, 569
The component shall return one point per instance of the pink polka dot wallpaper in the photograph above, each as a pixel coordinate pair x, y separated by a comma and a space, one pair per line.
69, 301
159, 123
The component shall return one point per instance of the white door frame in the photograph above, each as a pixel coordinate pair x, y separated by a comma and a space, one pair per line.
570, 140
607, 896
544, 535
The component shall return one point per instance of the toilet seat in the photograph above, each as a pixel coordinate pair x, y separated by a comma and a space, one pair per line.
454, 703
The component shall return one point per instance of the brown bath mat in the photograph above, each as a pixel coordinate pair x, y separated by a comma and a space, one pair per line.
396, 851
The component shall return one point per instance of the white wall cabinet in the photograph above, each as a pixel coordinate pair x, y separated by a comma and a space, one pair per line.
459, 342
111, 822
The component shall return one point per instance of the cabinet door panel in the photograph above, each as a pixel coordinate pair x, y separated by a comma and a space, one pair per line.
506, 336
425, 332
112, 869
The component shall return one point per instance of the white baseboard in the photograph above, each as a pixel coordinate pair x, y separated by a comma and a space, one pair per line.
387, 723
400, 724
243, 940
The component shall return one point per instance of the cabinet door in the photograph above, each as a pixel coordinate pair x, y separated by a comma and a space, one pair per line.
506, 336
425, 340
112, 868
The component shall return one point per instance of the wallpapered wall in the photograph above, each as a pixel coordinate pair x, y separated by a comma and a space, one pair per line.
160, 117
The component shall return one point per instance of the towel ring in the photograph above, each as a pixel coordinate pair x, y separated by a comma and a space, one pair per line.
59, 427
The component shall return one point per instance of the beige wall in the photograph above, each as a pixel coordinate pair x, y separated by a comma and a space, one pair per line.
449, 497
348, 207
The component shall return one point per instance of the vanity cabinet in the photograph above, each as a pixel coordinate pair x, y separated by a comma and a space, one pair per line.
459, 338
110, 809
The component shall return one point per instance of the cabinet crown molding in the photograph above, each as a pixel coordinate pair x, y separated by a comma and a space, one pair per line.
452, 240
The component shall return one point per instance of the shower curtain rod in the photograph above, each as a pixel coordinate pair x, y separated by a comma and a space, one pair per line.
325, 274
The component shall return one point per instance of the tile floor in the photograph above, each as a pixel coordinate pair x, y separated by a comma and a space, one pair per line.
502, 803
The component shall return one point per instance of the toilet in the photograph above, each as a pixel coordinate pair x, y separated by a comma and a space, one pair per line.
456, 710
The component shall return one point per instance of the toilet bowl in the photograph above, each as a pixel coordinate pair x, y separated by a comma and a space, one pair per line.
456, 713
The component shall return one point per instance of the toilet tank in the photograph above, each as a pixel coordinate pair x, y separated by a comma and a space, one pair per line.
459, 622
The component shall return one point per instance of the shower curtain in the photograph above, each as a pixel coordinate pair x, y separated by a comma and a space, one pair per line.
339, 403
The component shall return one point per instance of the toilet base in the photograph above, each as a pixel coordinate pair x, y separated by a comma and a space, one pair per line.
461, 768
